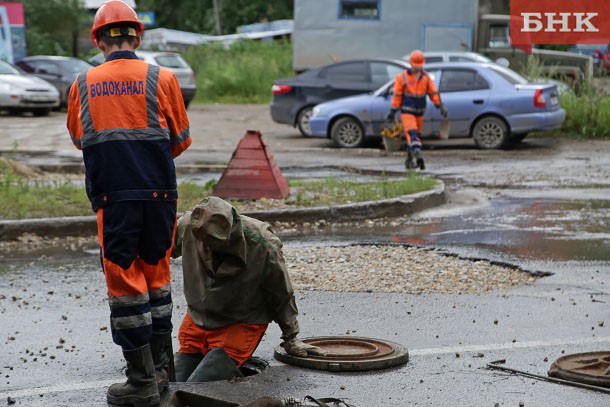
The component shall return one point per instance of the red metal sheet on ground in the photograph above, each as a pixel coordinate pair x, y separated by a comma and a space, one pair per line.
252, 172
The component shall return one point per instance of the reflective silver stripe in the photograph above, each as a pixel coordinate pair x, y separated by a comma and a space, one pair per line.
182, 137
433, 93
152, 104
161, 311
128, 300
75, 141
85, 113
160, 292
415, 96
125, 135
134, 321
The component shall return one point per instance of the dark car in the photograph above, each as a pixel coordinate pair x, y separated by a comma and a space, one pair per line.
599, 52
294, 98
60, 71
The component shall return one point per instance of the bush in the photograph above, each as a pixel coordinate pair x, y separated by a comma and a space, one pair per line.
587, 106
588, 114
242, 73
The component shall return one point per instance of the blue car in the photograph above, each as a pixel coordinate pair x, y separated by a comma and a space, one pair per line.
488, 102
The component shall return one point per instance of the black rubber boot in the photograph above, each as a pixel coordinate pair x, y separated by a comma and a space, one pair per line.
161, 349
419, 159
140, 389
216, 365
410, 161
185, 364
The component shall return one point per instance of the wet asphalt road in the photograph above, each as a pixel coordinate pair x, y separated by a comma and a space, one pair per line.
543, 206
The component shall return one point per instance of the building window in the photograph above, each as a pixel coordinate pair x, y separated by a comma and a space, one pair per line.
359, 9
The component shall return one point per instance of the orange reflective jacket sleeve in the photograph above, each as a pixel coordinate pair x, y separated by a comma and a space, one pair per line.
399, 87
74, 123
172, 108
433, 92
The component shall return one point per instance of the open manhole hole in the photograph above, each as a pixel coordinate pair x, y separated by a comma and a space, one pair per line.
348, 354
589, 368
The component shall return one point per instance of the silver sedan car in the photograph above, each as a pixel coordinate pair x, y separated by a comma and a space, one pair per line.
21, 92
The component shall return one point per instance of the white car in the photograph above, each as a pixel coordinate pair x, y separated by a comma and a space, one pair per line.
169, 60
22, 92
452, 56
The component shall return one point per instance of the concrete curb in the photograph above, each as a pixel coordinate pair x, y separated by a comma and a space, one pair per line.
401, 206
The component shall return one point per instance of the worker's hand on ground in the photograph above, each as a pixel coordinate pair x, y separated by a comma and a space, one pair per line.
296, 347
444, 111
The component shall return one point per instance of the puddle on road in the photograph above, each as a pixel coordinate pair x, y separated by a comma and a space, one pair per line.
532, 229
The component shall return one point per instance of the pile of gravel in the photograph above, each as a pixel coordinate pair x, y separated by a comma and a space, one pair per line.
398, 269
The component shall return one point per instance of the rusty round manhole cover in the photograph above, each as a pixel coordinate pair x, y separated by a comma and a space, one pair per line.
590, 368
348, 354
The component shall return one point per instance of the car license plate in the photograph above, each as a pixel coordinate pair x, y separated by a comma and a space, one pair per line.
39, 98
554, 100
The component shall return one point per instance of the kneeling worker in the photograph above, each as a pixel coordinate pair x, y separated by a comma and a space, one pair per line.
235, 283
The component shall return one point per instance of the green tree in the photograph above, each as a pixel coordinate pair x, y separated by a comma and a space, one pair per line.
52, 26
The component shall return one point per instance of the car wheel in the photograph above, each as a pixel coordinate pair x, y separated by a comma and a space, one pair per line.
347, 133
303, 121
490, 133
41, 112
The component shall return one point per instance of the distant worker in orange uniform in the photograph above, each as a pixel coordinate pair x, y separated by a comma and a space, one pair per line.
129, 120
411, 88
235, 283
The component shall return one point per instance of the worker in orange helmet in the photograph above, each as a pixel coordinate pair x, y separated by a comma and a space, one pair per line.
129, 120
411, 87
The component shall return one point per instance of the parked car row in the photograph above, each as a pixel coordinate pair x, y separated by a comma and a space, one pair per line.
294, 98
41, 83
22, 92
486, 101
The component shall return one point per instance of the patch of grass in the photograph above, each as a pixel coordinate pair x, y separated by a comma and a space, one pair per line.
190, 194
330, 191
20, 198
587, 114
242, 73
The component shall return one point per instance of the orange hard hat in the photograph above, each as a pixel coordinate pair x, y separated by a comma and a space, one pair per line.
113, 12
417, 59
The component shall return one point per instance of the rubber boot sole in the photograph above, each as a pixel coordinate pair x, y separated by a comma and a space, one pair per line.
135, 401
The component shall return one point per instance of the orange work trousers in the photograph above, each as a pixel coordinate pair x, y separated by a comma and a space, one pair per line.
136, 239
238, 340
412, 126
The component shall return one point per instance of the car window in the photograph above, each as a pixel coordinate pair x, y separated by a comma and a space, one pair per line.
432, 60
171, 61
480, 83
47, 67
456, 58
457, 80
27, 66
382, 72
74, 65
347, 72
509, 75
6, 69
